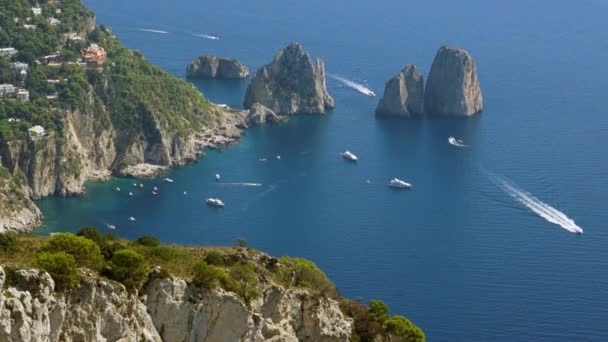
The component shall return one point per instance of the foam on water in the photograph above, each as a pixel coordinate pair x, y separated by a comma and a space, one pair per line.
207, 36
358, 87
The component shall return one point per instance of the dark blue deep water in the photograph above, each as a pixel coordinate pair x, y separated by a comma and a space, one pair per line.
456, 254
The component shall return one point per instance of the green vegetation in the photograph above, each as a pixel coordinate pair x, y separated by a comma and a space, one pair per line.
207, 276
61, 266
215, 258
304, 273
85, 251
148, 240
8, 243
128, 267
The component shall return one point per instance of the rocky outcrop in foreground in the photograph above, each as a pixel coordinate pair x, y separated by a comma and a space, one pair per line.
167, 309
291, 84
216, 67
403, 94
452, 86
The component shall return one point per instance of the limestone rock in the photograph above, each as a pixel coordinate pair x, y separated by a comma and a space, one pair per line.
216, 67
291, 84
403, 94
452, 87
259, 114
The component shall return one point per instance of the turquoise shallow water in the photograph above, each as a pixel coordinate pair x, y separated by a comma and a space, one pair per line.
456, 254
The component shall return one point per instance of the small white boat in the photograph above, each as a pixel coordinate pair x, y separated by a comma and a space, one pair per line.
132, 219
398, 183
456, 142
348, 155
168, 180
141, 185
155, 188
130, 194
279, 157
117, 189
215, 202
154, 193
135, 184
217, 177
111, 226
185, 193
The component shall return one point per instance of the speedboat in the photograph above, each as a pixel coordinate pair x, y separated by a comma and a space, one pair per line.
349, 155
217, 177
154, 193
456, 142
155, 188
135, 184
130, 194
398, 183
132, 219
279, 157
371, 93
262, 159
168, 180
215, 202
111, 226
141, 185
117, 189
185, 193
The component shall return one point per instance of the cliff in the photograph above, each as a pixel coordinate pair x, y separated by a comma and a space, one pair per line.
166, 309
452, 86
216, 67
291, 84
403, 94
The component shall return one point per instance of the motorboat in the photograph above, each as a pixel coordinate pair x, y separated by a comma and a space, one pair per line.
398, 183
132, 219
130, 194
154, 193
141, 185
348, 155
168, 180
217, 177
185, 193
215, 202
155, 188
456, 142
117, 189
262, 159
279, 157
111, 226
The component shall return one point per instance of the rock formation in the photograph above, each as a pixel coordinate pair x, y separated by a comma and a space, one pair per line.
291, 84
167, 309
216, 67
259, 114
403, 94
452, 86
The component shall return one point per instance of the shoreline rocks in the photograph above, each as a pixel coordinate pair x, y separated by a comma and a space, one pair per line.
403, 94
143, 171
291, 84
216, 67
452, 87
259, 114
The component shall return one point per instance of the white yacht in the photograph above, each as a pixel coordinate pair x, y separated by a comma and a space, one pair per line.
132, 219
141, 185
130, 194
215, 202
398, 183
111, 226
168, 180
456, 142
117, 189
217, 177
349, 155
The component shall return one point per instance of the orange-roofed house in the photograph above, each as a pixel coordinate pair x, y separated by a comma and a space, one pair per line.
94, 55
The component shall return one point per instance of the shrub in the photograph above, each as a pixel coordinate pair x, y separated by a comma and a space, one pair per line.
365, 328
207, 276
378, 311
94, 235
215, 258
165, 253
240, 242
128, 267
148, 240
304, 273
8, 243
61, 266
401, 326
243, 281
85, 252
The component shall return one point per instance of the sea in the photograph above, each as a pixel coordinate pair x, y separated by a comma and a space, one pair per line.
483, 247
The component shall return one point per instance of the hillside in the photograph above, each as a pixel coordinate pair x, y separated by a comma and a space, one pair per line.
77, 105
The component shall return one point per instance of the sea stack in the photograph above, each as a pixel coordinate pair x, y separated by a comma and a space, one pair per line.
291, 84
216, 67
452, 87
403, 94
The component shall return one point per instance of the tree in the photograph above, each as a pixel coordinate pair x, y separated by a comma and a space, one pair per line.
147, 240
378, 311
243, 281
128, 267
8, 243
215, 258
85, 252
61, 266
240, 242
401, 326
94, 235
207, 276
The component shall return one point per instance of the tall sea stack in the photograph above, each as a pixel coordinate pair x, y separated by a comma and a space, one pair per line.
291, 84
452, 87
403, 94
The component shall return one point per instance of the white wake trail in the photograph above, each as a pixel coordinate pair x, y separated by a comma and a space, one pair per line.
242, 184
153, 31
207, 36
358, 87
535, 205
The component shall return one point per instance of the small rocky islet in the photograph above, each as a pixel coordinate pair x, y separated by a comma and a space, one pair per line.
213, 67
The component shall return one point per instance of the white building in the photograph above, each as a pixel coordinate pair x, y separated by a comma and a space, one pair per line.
7, 52
54, 21
36, 131
23, 95
6, 89
18, 66
29, 26
37, 10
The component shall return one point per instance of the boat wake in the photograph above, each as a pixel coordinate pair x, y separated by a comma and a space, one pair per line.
537, 206
358, 87
242, 184
456, 142
153, 31
207, 36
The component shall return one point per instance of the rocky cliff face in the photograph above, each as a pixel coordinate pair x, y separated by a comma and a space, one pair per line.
216, 67
258, 114
291, 84
452, 86
166, 310
403, 94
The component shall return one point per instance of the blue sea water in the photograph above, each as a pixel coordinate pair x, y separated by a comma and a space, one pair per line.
456, 254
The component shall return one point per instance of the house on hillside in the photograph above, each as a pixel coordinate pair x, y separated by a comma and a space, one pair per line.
23, 95
54, 58
18, 66
94, 55
36, 132
54, 21
37, 10
7, 52
6, 89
